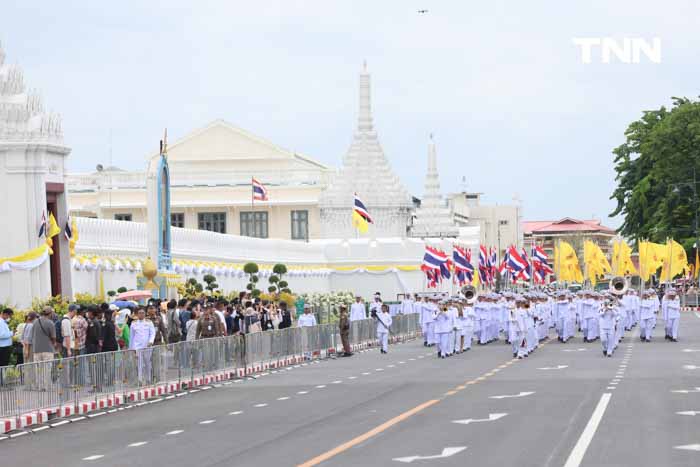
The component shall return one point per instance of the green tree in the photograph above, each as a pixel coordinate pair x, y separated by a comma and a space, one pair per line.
654, 170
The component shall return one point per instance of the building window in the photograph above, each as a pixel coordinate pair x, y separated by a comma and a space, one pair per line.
212, 221
300, 225
254, 224
122, 217
503, 222
177, 219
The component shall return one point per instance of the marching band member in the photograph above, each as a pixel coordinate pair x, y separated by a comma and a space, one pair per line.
607, 322
383, 326
671, 307
443, 327
646, 317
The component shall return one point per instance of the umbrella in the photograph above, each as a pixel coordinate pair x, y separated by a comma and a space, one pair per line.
122, 303
134, 295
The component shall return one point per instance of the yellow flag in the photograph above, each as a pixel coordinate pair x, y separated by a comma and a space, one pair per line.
624, 258
651, 258
54, 229
675, 261
616, 258
359, 222
570, 270
596, 262
697, 262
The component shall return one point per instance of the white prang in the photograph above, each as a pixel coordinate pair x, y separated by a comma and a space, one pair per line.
433, 219
367, 172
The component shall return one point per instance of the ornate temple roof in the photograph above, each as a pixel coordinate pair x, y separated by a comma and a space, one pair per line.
365, 170
22, 116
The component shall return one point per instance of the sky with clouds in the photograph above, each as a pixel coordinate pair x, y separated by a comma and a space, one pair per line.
500, 83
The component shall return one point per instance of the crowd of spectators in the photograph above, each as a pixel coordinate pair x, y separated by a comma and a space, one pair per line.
91, 329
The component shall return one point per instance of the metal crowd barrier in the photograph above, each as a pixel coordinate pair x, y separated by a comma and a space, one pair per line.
690, 299
83, 379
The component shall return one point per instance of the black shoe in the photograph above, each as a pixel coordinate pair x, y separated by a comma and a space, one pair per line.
515, 354
674, 340
347, 354
605, 354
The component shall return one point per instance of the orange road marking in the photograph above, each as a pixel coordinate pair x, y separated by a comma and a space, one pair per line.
371, 433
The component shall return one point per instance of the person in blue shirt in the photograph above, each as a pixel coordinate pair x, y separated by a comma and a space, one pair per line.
5, 337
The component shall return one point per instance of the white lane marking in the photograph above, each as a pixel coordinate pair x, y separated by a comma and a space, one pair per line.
285, 398
421, 356
558, 367
697, 315
574, 350
446, 452
689, 447
610, 387
140, 443
303, 392
690, 367
365, 374
237, 412
174, 432
320, 386
584, 441
54, 425
336, 382
93, 458
379, 369
412, 359
614, 382
206, 422
401, 363
260, 405
522, 394
77, 419
692, 413
686, 391
41, 428
352, 377
391, 366
690, 350
492, 417
98, 414
21, 433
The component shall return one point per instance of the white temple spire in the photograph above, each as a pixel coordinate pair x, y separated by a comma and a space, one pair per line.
432, 219
365, 171
364, 120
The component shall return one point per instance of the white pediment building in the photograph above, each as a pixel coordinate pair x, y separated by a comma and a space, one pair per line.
211, 171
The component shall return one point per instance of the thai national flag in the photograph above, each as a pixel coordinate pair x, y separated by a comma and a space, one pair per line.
433, 259
503, 269
515, 262
463, 268
526, 273
43, 226
360, 209
259, 191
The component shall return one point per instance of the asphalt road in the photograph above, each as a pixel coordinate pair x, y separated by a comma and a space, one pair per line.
573, 407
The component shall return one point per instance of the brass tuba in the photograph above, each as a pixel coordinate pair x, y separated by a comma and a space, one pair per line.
618, 285
469, 292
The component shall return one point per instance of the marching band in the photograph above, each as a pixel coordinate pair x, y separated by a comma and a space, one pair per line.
524, 320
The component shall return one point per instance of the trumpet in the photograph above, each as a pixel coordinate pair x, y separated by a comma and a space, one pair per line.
618, 285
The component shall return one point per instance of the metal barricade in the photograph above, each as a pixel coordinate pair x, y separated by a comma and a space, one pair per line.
72, 381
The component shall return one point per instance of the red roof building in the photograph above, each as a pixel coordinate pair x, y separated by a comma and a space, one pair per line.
574, 231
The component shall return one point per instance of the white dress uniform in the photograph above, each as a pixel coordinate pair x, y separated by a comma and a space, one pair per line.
561, 311
406, 306
646, 319
452, 312
443, 328
357, 311
427, 322
467, 322
482, 315
590, 315
672, 316
606, 322
383, 330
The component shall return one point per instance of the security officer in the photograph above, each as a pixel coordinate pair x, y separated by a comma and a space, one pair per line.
344, 325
